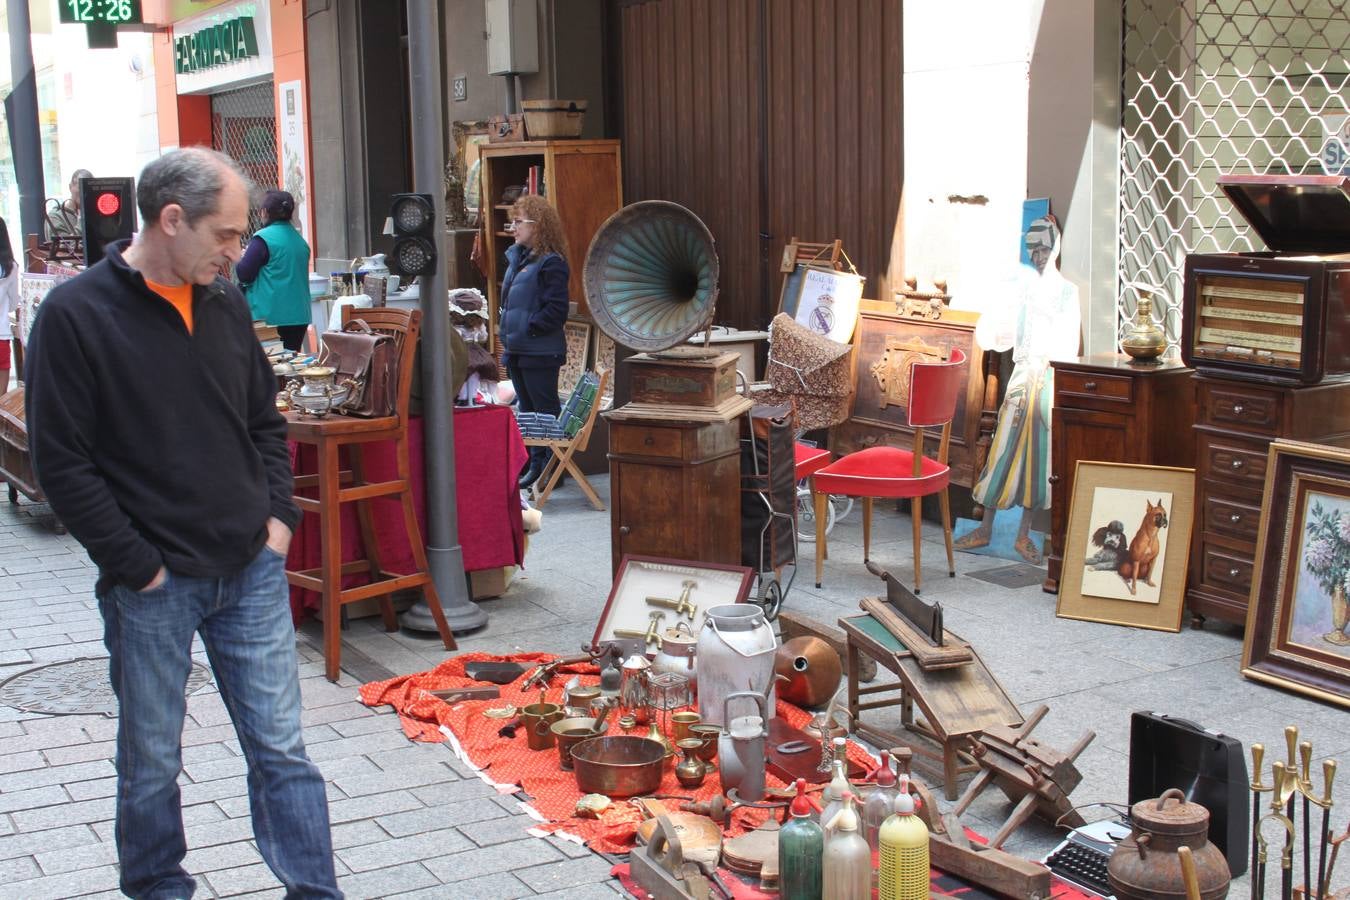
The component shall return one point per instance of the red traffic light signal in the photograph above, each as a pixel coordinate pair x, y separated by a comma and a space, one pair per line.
108, 203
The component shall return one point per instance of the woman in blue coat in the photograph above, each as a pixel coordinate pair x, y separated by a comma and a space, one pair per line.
534, 308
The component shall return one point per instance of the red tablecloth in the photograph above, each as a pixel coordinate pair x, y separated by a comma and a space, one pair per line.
489, 455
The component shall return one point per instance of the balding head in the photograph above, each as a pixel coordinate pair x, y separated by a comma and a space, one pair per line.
193, 179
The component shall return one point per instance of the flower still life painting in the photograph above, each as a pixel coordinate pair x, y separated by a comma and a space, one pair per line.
1321, 610
1298, 617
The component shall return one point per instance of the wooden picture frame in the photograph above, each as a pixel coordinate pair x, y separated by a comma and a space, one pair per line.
1113, 517
872, 421
603, 357
1298, 615
640, 577
577, 333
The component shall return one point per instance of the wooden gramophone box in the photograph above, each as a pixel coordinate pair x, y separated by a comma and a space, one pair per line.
681, 383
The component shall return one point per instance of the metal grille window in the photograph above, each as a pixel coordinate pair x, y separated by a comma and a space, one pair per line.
1213, 87
244, 128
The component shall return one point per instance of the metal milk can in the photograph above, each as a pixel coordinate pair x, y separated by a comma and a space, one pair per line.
1145, 865
740, 751
735, 653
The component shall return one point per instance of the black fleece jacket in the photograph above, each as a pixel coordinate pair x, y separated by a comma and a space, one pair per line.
155, 446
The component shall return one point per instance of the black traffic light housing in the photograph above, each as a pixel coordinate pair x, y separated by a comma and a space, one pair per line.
414, 217
108, 210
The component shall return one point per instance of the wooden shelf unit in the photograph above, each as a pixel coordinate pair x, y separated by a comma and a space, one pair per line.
582, 179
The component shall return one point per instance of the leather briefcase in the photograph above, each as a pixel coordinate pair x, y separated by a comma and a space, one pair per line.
367, 363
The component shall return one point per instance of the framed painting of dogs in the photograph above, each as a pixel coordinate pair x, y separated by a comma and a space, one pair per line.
1127, 545
1298, 615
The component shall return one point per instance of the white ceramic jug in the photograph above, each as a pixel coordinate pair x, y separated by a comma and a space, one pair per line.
735, 653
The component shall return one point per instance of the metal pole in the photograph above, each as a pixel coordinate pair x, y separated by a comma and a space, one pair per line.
444, 554
21, 111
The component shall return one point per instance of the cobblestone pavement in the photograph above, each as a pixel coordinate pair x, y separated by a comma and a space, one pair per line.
409, 820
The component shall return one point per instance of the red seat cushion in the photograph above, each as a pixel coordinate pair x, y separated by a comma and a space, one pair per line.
809, 460
882, 472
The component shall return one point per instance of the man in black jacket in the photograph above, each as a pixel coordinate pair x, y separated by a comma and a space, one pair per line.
156, 438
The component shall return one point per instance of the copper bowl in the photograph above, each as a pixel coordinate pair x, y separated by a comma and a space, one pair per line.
619, 766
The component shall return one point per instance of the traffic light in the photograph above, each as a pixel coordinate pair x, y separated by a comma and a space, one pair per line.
414, 218
108, 207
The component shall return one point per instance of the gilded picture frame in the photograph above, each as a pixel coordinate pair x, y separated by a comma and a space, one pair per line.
1127, 545
1298, 615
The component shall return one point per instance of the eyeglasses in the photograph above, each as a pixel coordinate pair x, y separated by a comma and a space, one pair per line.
516, 223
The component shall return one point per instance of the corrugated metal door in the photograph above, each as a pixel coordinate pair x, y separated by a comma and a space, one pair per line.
767, 118
244, 128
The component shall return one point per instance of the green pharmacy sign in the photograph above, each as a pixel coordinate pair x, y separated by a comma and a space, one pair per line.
218, 45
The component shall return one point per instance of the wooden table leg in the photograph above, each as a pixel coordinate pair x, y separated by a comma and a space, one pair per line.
977, 784
330, 558
950, 767
821, 500
851, 652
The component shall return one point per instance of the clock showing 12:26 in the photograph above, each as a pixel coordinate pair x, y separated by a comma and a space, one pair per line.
108, 12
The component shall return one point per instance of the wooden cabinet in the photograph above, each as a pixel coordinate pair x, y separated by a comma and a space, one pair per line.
674, 489
583, 181
1235, 421
1109, 410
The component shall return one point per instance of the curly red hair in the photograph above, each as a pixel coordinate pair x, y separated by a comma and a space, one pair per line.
549, 237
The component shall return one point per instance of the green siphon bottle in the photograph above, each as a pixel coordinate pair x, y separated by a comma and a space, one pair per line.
801, 850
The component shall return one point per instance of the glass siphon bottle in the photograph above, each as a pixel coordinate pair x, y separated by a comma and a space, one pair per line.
801, 849
903, 870
832, 797
848, 861
881, 802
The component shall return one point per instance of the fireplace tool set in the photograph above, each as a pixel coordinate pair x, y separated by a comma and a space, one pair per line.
1291, 788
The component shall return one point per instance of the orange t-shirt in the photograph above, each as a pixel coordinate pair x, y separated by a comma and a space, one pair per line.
179, 297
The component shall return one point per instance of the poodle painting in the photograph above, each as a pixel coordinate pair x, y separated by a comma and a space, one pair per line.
1128, 544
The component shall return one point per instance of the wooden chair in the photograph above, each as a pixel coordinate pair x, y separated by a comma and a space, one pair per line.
564, 449
894, 473
336, 486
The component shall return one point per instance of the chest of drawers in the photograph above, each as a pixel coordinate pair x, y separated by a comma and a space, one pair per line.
1235, 421
1107, 409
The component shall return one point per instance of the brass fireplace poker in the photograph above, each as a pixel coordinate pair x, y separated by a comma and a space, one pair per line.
682, 606
651, 636
1291, 780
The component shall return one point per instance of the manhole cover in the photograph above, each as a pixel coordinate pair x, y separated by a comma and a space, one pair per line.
1016, 576
76, 687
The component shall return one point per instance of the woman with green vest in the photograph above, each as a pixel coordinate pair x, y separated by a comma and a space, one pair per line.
274, 272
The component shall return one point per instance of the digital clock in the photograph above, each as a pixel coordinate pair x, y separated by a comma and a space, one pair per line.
100, 12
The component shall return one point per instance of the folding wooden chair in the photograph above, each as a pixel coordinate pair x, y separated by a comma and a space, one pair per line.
565, 448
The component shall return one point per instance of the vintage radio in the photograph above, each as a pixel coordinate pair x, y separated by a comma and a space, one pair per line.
1281, 315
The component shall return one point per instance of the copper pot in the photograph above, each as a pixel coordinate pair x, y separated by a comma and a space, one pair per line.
1145, 865
620, 766
567, 733
811, 668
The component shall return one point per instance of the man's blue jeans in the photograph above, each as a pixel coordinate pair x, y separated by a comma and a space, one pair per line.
245, 623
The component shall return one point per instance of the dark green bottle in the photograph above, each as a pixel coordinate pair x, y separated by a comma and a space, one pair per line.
801, 849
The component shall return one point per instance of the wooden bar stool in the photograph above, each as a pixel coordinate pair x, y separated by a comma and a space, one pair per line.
337, 486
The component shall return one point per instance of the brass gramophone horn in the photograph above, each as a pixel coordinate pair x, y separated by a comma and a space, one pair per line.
651, 276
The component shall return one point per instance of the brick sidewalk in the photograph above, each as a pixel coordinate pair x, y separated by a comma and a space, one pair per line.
411, 821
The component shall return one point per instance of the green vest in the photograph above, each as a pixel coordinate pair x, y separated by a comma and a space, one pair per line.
280, 295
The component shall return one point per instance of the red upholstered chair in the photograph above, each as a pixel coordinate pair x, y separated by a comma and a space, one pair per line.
894, 473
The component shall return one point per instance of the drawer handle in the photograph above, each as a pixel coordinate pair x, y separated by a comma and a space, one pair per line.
1238, 408
623, 529
1237, 464
649, 440
1054, 479
1233, 572
1235, 518
1089, 385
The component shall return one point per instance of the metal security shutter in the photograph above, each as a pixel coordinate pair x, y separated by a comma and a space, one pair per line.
244, 128
1213, 87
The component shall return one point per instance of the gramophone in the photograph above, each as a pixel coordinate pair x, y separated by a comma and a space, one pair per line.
651, 284
674, 457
